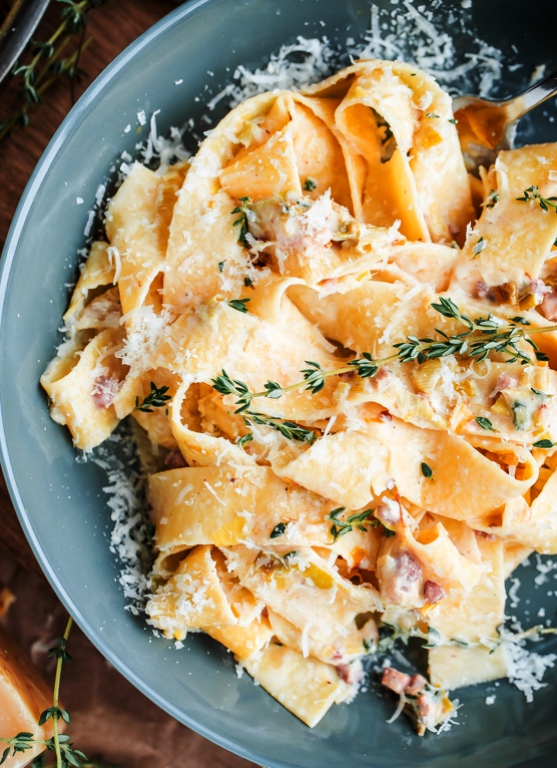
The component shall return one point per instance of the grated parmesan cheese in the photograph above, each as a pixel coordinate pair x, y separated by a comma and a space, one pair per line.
525, 669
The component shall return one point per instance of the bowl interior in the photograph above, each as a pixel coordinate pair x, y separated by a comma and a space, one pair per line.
175, 68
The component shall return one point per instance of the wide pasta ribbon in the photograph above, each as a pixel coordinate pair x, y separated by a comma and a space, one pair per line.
398, 450
381, 100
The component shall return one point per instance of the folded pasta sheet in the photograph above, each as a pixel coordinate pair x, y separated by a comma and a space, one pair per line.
347, 374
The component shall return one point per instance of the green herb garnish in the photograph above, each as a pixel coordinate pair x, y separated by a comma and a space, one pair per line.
544, 444
238, 304
481, 338
386, 531
533, 194
310, 184
426, 470
241, 441
478, 248
225, 385
288, 429
157, 398
278, 530
520, 415
485, 423
492, 198
242, 221
339, 527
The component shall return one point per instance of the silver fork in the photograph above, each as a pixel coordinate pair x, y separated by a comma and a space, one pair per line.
485, 126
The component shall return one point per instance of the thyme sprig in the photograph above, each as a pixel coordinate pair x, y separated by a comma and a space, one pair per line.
341, 526
157, 398
532, 194
359, 520
314, 380
289, 429
482, 337
59, 743
48, 64
242, 221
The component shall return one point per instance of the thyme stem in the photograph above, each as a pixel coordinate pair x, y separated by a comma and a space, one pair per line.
324, 375
56, 695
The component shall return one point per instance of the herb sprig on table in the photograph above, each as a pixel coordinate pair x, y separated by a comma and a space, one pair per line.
50, 61
481, 338
66, 754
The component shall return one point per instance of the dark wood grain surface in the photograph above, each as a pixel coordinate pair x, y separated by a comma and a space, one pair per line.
109, 716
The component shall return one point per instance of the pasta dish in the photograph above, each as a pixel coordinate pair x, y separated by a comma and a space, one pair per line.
340, 348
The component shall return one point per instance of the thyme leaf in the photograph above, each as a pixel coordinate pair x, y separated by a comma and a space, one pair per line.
54, 712
238, 304
485, 423
520, 416
478, 248
427, 471
241, 441
59, 651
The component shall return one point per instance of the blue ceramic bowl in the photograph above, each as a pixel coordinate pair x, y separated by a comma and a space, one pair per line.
175, 67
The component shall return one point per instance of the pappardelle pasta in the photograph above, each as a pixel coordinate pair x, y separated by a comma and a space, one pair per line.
342, 351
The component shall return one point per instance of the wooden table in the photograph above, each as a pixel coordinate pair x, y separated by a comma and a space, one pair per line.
109, 716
